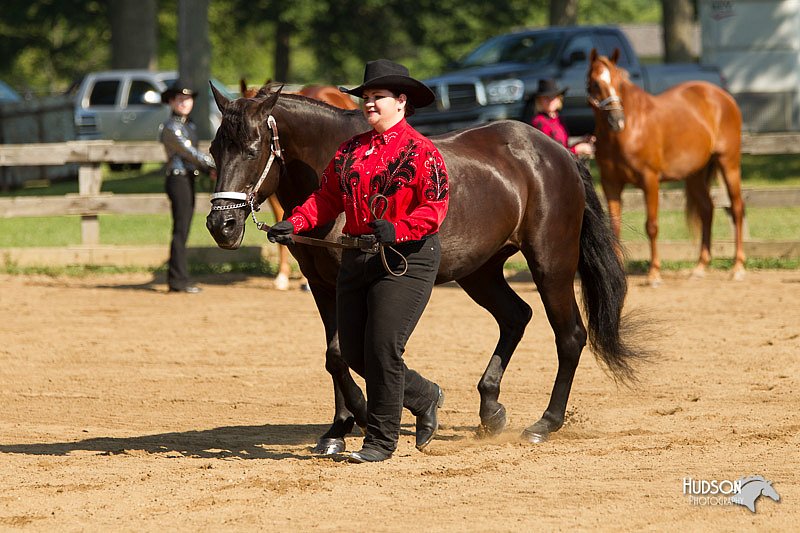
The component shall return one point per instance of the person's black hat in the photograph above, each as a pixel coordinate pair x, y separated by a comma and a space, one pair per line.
385, 74
178, 87
549, 87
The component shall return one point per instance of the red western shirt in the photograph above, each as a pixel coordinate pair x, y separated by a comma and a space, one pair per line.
552, 127
402, 165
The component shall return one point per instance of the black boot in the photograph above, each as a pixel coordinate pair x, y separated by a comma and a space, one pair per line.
428, 422
369, 455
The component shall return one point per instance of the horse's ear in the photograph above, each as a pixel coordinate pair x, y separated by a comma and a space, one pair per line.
221, 100
242, 86
615, 56
593, 55
266, 105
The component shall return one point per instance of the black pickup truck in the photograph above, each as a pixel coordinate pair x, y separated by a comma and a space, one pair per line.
498, 78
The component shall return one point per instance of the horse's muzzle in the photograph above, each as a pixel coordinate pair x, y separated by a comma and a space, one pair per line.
227, 227
616, 120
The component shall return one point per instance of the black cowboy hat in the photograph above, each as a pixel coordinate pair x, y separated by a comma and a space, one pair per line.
177, 87
549, 87
385, 74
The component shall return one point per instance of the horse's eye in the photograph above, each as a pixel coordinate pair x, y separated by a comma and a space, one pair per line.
251, 152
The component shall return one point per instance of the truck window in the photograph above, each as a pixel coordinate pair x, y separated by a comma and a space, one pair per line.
579, 43
104, 92
524, 48
610, 41
137, 90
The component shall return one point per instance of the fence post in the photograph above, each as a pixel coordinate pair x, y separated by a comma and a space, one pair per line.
90, 179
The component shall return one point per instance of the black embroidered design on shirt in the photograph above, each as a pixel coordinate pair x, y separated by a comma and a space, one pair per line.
399, 172
344, 169
438, 186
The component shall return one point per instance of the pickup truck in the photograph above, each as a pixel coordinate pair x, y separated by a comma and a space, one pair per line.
125, 105
498, 78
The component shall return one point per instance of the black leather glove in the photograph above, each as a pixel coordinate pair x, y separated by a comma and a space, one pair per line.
281, 233
384, 230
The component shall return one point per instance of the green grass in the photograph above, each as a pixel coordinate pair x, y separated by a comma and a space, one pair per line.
777, 170
114, 230
765, 223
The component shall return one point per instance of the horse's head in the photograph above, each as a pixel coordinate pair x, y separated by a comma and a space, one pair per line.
769, 491
603, 89
247, 168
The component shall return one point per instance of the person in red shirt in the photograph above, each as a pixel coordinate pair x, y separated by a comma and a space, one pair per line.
549, 101
391, 182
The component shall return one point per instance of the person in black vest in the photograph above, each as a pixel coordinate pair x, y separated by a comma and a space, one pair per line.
392, 185
184, 164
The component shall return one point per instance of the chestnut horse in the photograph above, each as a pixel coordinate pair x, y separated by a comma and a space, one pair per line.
530, 194
685, 133
323, 93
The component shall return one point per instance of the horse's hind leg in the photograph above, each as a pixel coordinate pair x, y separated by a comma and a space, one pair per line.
555, 282
350, 405
489, 289
730, 167
700, 206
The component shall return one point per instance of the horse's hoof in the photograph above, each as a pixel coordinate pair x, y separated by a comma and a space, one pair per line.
654, 282
281, 282
493, 425
738, 275
698, 273
534, 436
540, 431
329, 447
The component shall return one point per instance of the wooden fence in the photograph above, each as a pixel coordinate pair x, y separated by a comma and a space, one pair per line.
89, 203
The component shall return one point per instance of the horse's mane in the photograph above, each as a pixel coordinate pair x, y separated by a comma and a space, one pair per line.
235, 126
750, 479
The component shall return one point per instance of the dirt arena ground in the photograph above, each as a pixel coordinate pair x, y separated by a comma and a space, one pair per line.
125, 408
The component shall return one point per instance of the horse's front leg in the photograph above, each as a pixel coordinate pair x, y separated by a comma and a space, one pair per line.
350, 407
349, 403
651, 226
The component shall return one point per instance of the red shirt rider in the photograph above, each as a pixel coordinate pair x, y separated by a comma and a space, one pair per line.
400, 164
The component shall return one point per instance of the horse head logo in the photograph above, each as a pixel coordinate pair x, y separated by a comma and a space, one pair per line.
751, 488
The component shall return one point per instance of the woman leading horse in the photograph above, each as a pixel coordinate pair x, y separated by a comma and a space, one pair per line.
536, 199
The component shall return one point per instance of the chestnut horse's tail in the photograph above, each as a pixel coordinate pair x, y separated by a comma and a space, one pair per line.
604, 285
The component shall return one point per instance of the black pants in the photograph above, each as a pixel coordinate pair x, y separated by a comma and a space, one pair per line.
376, 314
180, 190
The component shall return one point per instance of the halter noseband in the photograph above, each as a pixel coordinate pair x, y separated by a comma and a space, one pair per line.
250, 199
612, 103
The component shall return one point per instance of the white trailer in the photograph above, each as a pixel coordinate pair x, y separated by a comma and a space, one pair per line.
756, 45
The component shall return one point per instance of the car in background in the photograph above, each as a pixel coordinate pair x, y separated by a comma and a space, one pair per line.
7, 94
125, 105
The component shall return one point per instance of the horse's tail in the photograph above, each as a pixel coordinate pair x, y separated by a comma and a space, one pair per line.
697, 189
604, 285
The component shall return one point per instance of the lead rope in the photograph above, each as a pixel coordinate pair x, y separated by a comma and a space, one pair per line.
383, 247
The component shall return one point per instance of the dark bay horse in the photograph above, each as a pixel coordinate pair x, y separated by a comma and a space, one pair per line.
535, 197
685, 133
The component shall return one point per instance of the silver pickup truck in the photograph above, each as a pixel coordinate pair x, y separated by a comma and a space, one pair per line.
498, 78
125, 105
